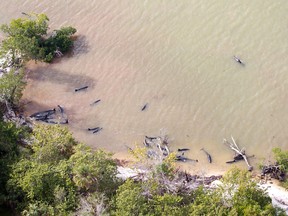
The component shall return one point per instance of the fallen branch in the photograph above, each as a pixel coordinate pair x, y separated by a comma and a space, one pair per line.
233, 145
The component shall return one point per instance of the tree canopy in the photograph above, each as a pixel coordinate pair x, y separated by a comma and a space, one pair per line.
11, 86
57, 171
28, 39
237, 195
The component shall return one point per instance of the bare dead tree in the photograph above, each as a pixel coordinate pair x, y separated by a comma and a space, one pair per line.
233, 145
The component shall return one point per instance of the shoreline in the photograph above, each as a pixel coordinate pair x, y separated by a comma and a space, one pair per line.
192, 168
278, 194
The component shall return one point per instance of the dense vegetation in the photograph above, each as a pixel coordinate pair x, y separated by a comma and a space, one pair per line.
28, 39
50, 174
44, 171
281, 158
55, 175
11, 86
147, 198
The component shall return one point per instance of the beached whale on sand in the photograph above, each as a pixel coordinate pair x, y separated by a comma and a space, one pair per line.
43, 114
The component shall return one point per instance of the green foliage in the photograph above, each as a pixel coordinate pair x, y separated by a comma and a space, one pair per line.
34, 25
167, 166
241, 193
207, 202
9, 138
38, 181
61, 39
11, 86
93, 170
51, 179
39, 208
93, 204
27, 39
52, 143
44, 178
134, 198
130, 200
25, 36
168, 204
137, 198
238, 195
282, 158
252, 201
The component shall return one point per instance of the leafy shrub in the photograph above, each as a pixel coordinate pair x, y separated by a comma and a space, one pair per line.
11, 86
28, 38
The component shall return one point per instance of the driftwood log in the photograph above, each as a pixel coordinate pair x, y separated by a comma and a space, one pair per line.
240, 153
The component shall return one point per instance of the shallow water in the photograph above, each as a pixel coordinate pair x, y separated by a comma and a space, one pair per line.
177, 57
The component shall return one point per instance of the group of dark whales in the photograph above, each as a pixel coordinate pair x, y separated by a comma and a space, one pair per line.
50, 116
58, 116
157, 146
184, 159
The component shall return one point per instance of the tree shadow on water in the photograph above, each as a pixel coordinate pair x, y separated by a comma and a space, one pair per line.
45, 73
80, 47
52, 75
31, 106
